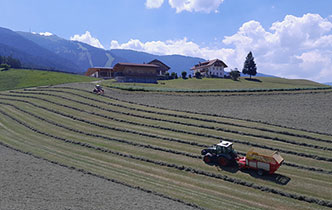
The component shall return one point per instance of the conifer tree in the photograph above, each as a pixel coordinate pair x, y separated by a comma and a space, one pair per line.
249, 66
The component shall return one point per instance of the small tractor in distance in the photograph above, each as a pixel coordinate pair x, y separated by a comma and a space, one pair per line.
223, 154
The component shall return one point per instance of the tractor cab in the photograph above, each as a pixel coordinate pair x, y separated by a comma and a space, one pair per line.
224, 147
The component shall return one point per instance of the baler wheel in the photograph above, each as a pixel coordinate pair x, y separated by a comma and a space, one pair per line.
260, 172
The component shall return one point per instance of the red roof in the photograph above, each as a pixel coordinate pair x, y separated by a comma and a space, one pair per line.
208, 64
119, 66
137, 64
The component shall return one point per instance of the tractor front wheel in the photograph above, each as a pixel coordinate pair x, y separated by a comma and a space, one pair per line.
207, 159
222, 161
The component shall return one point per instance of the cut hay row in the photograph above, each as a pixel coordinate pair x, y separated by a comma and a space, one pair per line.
130, 131
217, 137
157, 153
177, 115
209, 115
304, 198
183, 132
191, 124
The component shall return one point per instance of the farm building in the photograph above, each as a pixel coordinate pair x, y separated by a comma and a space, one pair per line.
132, 72
213, 68
162, 68
100, 72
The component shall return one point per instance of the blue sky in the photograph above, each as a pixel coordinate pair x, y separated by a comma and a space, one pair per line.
284, 35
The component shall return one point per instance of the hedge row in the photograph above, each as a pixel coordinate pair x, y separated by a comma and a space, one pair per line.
315, 157
148, 135
103, 177
184, 116
183, 168
188, 124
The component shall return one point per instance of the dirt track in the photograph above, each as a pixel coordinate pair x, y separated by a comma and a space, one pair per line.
30, 183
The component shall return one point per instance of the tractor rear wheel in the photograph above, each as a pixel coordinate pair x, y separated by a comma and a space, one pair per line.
222, 161
207, 159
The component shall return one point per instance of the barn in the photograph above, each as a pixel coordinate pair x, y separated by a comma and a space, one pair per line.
132, 72
162, 68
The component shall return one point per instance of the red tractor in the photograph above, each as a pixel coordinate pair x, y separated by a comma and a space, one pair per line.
223, 154
98, 90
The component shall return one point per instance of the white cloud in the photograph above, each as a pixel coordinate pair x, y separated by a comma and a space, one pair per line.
43, 33
170, 47
206, 6
151, 4
296, 47
88, 39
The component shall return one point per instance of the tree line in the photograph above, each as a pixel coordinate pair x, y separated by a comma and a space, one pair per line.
7, 62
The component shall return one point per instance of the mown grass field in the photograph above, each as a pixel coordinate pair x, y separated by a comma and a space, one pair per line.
23, 78
159, 149
214, 84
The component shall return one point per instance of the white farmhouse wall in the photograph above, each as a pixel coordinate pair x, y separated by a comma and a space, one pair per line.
217, 71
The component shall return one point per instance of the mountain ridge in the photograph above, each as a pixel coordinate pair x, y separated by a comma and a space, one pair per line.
56, 53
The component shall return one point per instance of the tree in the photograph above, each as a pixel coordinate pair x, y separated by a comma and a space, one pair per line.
198, 75
4, 66
234, 74
174, 75
14, 63
167, 75
249, 66
184, 75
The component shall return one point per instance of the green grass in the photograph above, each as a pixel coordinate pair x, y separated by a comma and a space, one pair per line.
204, 191
215, 85
23, 78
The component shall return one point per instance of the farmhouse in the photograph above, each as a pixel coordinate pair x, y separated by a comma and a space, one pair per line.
213, 68
100, 72
162, 68
132, 72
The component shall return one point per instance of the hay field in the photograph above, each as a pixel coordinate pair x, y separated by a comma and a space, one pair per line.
158, 150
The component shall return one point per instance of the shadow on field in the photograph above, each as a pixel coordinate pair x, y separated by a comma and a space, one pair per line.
276, 178
253, 80
231, 169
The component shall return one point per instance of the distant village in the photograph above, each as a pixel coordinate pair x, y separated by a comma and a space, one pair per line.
154, 70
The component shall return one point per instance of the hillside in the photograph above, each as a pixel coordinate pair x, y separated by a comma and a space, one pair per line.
20, 78
81, 54
31, 54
